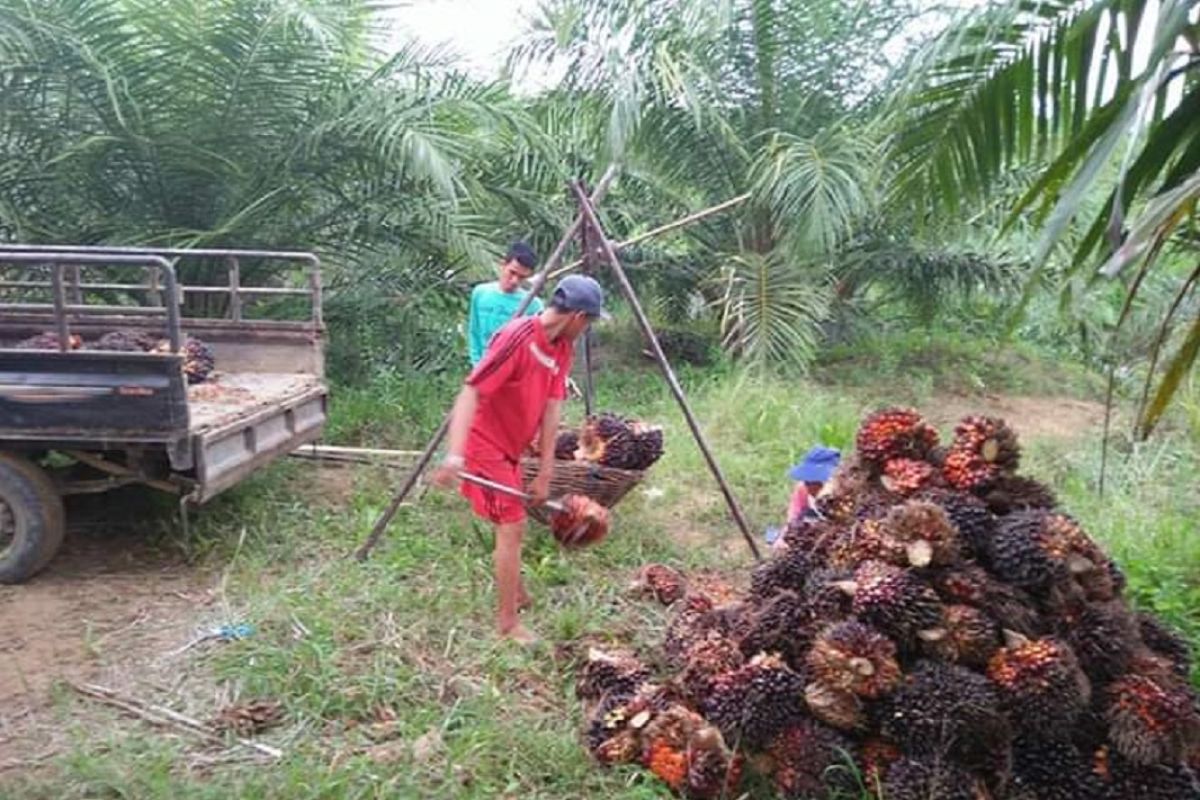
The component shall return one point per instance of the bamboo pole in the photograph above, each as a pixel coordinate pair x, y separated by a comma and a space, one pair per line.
598, 234
539, 281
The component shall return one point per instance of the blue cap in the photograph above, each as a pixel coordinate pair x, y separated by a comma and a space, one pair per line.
579, 293
817, 467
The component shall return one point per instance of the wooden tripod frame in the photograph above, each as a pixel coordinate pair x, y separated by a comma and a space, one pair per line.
592, 236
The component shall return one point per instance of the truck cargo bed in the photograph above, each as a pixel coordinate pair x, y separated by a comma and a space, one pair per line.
241, 421
225, 399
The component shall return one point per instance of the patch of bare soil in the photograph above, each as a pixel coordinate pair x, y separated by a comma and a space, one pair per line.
108, 602
1032, 417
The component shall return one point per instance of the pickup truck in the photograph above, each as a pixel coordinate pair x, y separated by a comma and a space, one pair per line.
76, 418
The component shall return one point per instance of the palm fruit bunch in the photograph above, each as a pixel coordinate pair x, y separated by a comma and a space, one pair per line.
983, 449
852, 657
49, 341
754, 703
893, 433
1152, 717
664, 584
565, 445
805, 756
613, 441
905, 476
198, 360
924, 532
943, 630
248, 719
582, 521
127, 341
1040, 681
1038, 551
603, 674
895, 600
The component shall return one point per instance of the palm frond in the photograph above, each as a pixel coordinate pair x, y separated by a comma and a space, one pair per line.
770, 310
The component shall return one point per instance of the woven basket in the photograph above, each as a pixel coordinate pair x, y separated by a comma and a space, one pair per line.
605, 485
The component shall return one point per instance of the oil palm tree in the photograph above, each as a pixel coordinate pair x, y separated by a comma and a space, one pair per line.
1102, 95
272, 122
704, 101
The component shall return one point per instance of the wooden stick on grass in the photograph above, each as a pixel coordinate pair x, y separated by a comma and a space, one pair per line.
157, 715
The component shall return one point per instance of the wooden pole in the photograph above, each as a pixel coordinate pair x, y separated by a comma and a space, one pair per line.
661, 229
539, 281
588, 385
598, 235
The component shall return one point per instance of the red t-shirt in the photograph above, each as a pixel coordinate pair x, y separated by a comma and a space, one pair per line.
520, 371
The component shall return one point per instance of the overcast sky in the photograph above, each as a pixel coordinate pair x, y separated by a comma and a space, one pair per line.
480, 30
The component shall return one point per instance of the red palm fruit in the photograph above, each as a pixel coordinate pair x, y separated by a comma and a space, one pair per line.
905, 476
852, 657
1152, 717
894, 433
1040, 683
894, 600
968, 636
924, 532
664, 584
803, 758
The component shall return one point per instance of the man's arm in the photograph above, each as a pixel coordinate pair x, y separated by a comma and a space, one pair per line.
549, 434
461, 417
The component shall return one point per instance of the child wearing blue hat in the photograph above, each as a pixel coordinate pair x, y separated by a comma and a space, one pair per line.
810, 475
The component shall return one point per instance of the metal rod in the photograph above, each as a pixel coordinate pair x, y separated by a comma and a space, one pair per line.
314, 278
508, 490
661, 229
120, 471
60, 303
76, 292
427, 454
614, 263
235, 285
186, 289
177, 252
73, 309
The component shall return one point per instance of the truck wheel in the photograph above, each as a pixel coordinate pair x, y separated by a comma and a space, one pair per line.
32, 519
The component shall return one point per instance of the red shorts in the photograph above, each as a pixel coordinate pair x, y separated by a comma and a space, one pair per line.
495, 507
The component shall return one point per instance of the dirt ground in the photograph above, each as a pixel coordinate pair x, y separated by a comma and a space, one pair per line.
116, 607
1032, 417
109, 601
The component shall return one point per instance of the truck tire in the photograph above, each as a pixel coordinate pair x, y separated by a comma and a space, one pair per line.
32, 519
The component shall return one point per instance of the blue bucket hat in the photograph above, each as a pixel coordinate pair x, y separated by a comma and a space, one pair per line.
817, 467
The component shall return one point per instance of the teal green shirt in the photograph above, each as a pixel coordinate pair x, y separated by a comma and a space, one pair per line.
490, 309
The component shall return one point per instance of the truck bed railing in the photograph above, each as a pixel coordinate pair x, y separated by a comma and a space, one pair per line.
73, 256
161, 272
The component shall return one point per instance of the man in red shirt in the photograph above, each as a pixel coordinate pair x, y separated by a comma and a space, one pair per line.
513, 394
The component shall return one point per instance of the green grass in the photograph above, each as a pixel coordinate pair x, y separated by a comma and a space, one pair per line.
410, 631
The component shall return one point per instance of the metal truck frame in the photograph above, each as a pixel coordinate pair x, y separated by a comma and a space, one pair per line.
123, 418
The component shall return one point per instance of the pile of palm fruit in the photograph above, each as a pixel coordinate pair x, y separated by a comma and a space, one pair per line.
942, 632
612, 441
198, 359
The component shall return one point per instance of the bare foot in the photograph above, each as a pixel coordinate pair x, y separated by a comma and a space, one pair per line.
524, 600
520, 634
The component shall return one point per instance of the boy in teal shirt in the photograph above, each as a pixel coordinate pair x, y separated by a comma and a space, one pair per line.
493, 303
